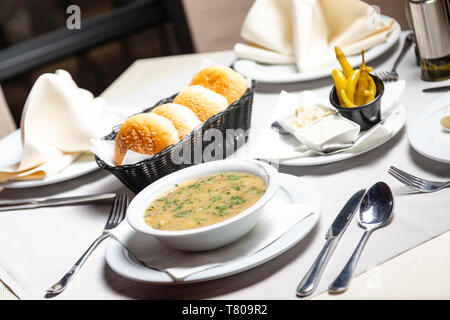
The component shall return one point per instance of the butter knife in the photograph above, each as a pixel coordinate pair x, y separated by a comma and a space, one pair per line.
38, 203
437, 89
334, 233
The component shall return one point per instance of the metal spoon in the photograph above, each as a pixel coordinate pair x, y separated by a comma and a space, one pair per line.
375, 212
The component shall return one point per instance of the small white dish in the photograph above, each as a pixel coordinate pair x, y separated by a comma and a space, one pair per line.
212, 236
288, 73
288, 121
314, 107
398, 120
295, 190
425, 133
328, 132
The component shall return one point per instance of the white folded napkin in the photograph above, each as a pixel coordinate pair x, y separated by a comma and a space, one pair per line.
307, 31
274, 146
277, 218
251, 52
268, 24
104, 149
57, 122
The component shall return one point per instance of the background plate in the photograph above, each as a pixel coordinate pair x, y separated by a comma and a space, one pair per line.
84, 164
289, 73
425, 133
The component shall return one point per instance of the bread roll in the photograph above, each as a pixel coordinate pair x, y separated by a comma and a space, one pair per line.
222, 80
182, 118
145, 133
203, 102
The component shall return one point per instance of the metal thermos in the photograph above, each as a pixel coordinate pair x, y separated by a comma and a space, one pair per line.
431, 23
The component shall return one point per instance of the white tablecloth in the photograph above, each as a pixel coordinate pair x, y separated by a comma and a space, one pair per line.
276, 279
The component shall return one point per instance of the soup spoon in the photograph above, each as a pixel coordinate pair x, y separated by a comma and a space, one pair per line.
375, 212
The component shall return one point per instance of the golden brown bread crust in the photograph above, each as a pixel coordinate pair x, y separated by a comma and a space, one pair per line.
182, 118
222, 80
203, 102
145, 133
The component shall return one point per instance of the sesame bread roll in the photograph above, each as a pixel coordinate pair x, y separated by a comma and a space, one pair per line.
222, 80
203, 102
145, 133
182, 118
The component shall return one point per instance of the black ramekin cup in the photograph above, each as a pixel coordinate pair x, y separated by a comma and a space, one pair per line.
368, 114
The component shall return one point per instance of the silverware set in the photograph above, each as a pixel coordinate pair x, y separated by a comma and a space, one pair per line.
115, 217
334, 233
375, 211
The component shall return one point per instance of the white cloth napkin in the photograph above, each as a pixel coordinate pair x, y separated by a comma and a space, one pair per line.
268, 24
180, 264
306, 31
57, 122
274, 146
104, 149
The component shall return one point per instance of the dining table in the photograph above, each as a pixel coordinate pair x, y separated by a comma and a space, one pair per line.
420, 269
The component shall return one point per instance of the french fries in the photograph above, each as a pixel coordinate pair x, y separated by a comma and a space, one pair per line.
353, 87
340, 81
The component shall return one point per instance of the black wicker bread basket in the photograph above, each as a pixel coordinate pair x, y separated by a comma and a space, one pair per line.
139, 175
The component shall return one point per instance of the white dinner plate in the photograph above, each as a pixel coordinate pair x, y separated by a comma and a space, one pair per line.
84, 164
425, 133
318, 160
293, 189
289, 73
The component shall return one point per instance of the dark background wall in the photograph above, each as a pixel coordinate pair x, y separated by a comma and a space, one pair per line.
95, 69
212, 25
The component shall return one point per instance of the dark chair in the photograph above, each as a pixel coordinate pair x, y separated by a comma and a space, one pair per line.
129, 17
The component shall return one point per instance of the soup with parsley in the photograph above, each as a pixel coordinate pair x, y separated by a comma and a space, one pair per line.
204, 201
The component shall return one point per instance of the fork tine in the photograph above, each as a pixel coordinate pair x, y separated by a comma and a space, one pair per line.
404, 180
400, 177
123, 208
114, 209
407, 175
119, 209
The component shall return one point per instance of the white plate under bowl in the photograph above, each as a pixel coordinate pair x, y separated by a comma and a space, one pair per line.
293, 189
319, 160
288, 73
425, 133
84, 164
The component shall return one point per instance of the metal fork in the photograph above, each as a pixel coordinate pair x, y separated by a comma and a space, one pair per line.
116, 216
417, 183
392, 75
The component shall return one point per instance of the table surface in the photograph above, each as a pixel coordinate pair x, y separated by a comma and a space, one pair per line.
428, 265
